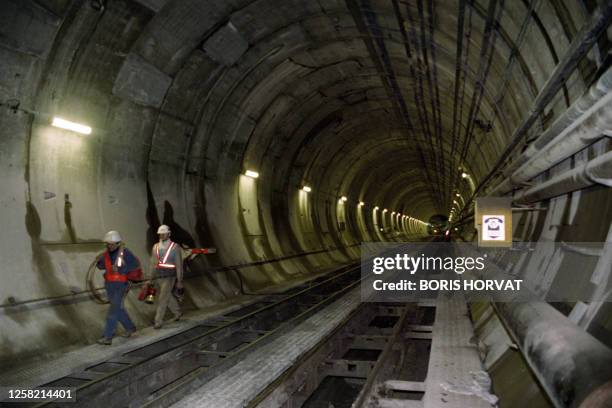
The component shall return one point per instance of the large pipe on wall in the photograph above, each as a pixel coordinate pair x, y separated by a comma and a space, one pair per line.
570, 364
582, 43
595, 171
586, 121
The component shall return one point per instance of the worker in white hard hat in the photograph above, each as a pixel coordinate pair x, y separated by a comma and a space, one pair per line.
167, 269
117, 261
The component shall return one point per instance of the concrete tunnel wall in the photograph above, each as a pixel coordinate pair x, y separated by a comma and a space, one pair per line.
183, 96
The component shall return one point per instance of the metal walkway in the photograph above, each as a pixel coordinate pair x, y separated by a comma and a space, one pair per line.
244, 381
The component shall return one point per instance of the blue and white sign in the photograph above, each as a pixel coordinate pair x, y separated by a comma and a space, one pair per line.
493, 228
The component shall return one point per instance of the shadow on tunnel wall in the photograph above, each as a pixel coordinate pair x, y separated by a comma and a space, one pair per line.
68, 328
152, 218
179, 234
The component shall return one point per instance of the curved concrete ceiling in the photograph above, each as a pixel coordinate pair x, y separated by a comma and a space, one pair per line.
186, 95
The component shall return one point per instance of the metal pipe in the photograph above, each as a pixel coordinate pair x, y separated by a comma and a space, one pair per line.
570, 364
582, 43
587, 120
596, 171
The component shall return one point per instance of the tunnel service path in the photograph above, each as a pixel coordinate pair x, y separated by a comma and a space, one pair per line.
244, 381
36, 373
455, 370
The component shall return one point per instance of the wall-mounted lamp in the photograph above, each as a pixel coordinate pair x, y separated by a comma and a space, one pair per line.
251, 174
75, 127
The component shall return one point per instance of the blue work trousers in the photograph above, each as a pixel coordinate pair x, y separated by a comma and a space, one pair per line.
116, 292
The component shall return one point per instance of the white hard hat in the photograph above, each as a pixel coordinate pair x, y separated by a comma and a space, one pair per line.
112, 237
163, 229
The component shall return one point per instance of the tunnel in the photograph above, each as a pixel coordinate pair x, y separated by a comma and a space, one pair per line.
280, 141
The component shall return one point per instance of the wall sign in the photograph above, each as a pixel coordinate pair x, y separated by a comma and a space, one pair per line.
493, 219
493, 228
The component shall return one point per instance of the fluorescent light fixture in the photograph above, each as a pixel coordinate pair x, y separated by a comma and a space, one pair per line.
306, 189
343, 199
75, 127
251, 174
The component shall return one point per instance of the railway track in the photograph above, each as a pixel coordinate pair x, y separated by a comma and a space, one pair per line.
378, 358
161, 372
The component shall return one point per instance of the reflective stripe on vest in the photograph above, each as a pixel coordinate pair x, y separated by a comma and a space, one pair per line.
163, 263
110, 275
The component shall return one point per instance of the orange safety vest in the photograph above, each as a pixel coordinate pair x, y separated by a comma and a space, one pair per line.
111, 275
163, 263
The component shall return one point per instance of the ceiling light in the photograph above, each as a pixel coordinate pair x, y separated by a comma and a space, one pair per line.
75, 127
251, 174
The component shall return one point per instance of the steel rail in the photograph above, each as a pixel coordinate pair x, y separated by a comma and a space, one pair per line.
383, 359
